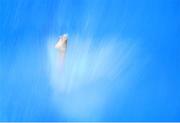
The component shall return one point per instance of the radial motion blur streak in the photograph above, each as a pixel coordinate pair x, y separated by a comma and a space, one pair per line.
121, 63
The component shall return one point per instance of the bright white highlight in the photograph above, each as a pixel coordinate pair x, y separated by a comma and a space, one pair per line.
91, 68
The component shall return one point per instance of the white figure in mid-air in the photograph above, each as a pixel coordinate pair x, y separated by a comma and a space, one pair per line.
61, 45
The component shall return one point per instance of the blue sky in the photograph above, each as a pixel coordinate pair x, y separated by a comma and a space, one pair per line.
123, 58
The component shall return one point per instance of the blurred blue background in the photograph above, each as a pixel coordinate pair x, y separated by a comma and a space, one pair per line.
153, 92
